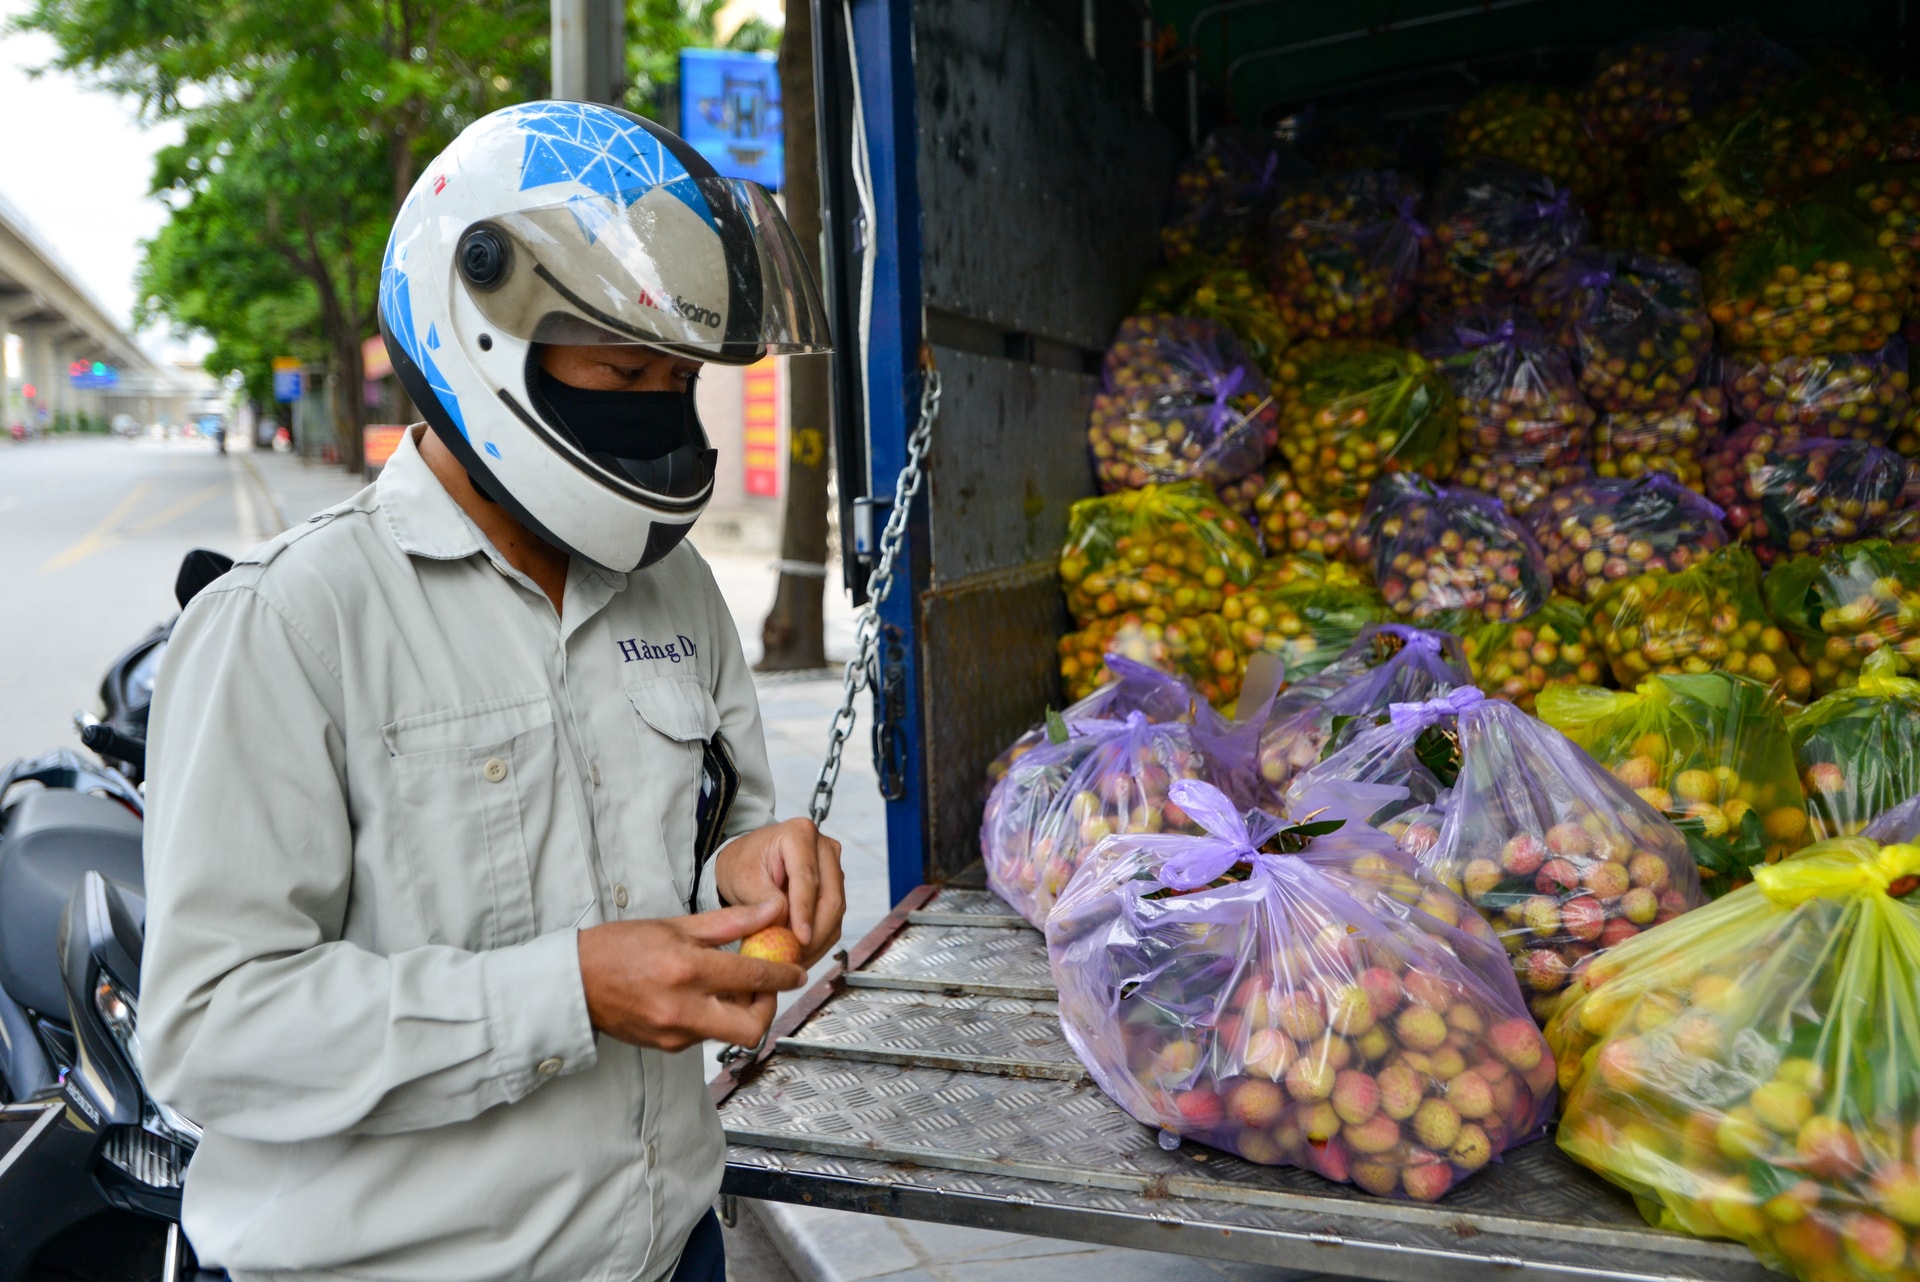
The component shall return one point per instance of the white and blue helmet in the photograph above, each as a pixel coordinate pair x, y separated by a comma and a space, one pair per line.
571, 222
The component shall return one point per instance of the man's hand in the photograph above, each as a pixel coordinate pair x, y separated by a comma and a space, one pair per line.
792, 861
666, 983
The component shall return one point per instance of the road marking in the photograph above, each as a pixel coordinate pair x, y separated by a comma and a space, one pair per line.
179, 509
100, 535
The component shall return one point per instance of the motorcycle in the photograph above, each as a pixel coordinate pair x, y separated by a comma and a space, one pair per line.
91, 1165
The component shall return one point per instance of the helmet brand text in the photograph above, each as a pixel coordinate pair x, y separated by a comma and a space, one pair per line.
676, 306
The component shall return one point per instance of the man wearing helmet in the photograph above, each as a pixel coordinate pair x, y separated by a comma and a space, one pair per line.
458, 790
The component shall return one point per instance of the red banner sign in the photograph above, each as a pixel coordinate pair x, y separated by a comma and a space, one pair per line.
760, 429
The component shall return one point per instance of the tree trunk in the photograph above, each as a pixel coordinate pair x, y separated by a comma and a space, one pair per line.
794, 634
349, 398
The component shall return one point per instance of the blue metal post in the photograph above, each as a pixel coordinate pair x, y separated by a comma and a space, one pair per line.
883, 40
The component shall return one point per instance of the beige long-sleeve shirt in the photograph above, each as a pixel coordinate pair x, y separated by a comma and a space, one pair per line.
388, 786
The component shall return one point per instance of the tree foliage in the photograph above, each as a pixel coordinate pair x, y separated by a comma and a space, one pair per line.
305, 127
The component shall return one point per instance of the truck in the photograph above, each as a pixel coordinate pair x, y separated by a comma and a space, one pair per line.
994, 176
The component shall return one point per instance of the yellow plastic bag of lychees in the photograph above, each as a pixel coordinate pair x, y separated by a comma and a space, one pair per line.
1752, 1069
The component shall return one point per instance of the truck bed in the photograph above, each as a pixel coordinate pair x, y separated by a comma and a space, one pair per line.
927, 1078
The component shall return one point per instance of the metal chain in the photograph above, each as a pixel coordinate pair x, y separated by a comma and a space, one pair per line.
860, 671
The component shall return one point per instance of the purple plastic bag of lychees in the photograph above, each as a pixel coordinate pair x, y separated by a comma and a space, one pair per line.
1296, 1008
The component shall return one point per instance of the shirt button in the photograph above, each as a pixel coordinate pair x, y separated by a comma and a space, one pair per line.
593, 773
549, 1066
495, 770
619, 896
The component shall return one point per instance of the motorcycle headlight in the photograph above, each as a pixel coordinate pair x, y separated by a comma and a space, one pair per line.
120, 1011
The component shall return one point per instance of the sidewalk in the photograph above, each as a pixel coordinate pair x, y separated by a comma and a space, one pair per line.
817, 1245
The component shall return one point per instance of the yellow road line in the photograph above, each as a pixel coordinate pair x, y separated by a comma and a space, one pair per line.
100, 535
181, 508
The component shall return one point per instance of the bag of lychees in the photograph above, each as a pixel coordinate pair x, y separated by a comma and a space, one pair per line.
1098, 776
1858, 749
1388, 663
1135, 687
1561, 857
1749, 1072
1290, 995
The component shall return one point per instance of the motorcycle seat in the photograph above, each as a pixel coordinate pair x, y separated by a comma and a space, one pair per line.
49, 839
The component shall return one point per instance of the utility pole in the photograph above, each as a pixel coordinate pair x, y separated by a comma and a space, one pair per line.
589, 50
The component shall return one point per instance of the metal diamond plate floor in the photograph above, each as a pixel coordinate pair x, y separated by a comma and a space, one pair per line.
946, 1103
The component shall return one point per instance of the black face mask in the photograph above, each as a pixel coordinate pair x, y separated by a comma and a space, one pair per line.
653, 437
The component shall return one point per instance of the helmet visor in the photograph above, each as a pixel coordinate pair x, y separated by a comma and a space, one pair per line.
704, 267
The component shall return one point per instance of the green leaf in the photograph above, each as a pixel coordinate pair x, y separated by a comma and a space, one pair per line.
1056, 727
1334, 728
1768, 1180
1439, 751
1320, 828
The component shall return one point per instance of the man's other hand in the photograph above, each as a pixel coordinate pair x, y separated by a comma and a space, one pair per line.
668, 984
794, 862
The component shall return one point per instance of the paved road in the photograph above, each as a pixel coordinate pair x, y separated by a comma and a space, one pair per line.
91, 532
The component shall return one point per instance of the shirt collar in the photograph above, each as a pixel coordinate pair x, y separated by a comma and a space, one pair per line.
424, 519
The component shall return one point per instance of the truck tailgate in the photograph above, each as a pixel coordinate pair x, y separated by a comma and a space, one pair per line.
928, 1079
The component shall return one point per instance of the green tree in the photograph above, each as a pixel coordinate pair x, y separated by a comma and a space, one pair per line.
306, 126
657, 30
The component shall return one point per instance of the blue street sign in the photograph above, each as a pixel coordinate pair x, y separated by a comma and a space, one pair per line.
730, 112
286, 380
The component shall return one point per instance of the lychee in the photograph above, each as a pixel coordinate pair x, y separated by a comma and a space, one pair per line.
1401, 1090
1824, 778
1356, 1096
1810, 1242
1698, 1036
1420, 1028
1463, 1018
1740, 1136
1556, 877
1873, 1242
1542, 915
1436, 1123
1828, 1149
1331, 1161
1519, 1043
1427, 1181
1793, 1204
1607, 880
1317, 1121
1569, 840
1260, 1147
1471, 1149
1621, 1064
1638, 772
1377, 1178
1349, 1010
1650, 871
1440, 906
1895, 1191
1299, 1013
1332, 1050
1175, 1061
1429, 989
1781, 1106
1310, 1080
1696, 785
1523, 854
1255, 1102
1584, 918
1448, 1063
1617, 931
1640, 906
1199, 1109
1471, 1095
1734, 1206
1480, 877
1382, 987
1546, 971
1378, 1134
1373, 1044
1804, 1073
1270, 1053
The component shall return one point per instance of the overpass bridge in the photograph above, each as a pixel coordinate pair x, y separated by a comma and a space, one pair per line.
60, 326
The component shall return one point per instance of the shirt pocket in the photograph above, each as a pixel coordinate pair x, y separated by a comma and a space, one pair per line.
676, 717
491, 855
